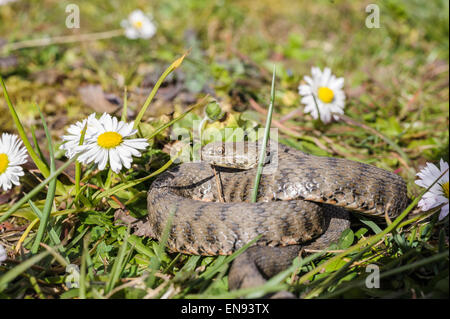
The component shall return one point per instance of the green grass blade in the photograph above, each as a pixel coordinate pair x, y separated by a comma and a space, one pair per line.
74, 241
35, 285
82, 282
117, 267
34, 156
165, 236
397, 270
273, 284
335, 276
50, 192
36, 145
53, 235
89, 266
39, 163
262, 153
22, 267
35, 209
159, 251
140, 247
216, 268
60, 259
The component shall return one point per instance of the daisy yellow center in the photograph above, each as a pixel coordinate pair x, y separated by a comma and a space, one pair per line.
325, 94
4, 161
109, 139
138, 24
444, 187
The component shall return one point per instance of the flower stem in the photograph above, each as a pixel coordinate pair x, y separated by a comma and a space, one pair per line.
169, 70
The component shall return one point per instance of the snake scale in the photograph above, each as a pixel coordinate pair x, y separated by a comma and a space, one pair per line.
304, 202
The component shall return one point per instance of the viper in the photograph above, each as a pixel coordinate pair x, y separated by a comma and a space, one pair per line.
303, 201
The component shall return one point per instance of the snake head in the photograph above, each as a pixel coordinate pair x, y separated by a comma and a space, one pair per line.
241, 155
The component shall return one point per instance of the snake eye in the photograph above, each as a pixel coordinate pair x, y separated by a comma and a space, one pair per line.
220, 150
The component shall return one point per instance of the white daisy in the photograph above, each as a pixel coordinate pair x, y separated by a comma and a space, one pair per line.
3, 2
111, 143
72, 140
323, 95
438, 194
3, 254
138, 25
12, 155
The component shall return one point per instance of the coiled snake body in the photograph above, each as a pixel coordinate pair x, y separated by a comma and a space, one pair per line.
302, 203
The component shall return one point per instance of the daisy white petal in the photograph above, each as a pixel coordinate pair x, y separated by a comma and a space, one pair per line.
127, 129
114, 123
326, 77
129, 151
438, 194
102, 159
114, 160
131, 33
12, 155
137, 143
323, 95
138, 25
444, 212
122, 128
88, 153
72, 139
304, 89
3, 254
111, 144
4, 2
309, 81
126, 161
337, 84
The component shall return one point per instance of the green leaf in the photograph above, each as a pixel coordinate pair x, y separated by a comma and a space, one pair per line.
140, 247
346, 239
361, 232
213, 111
376, 229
